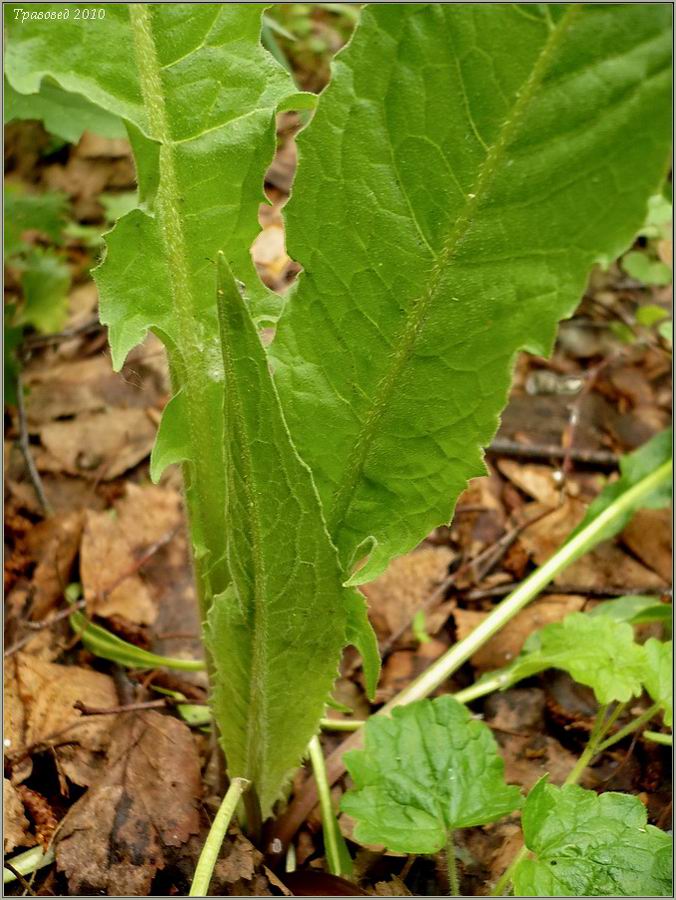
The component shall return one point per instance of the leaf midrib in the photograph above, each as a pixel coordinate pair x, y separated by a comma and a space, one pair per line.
413, 324
256, 748
188, 369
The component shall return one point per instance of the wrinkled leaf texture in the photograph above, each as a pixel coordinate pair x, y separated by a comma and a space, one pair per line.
587, 845
277, 631
597, 651
465, 168
426, 770
199, 96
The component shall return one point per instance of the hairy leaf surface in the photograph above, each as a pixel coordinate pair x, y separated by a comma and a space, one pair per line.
465, 168
64, 114
198, 94
588, 845
425, 771
276, 633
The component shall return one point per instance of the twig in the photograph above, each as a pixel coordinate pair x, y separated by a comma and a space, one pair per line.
39, 626
507, 447
20, 878
114, 710
24, 446
490, 557
570, 429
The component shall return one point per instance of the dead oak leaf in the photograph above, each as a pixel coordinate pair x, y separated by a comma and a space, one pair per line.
100, 445
119, 834
54, 544
396, 596
41, 696
15, 825
112, 546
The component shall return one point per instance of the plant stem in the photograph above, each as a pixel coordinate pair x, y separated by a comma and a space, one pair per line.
637, 723
331, 834
341, 724
659, 738
579, 544
217, 832
28, 862
590, 751
453, 883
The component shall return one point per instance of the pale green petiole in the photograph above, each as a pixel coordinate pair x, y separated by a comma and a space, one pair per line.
28, 862
215, 838
579, 544
333, 839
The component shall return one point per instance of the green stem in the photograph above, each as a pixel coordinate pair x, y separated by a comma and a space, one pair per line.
214, 841
28, 862
659, 738
592, 748
595, 745
637, 723
453, 882
331, 834
579, 544
341, 724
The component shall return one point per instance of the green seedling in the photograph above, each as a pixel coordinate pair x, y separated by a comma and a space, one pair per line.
424, 773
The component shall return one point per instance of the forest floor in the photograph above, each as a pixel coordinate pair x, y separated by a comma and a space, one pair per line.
126, 796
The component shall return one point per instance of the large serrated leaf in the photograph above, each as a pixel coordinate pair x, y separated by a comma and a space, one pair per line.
591, 846
277, 632
199, 95
465, 168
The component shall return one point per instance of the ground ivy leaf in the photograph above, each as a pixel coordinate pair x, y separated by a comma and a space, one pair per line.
277, 632
595, 650
462, 173
658, 679
428, 769
637, 609
587, 845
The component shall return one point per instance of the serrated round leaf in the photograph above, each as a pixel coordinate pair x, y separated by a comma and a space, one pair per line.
464, 170
595, 650
425, 771
587, 845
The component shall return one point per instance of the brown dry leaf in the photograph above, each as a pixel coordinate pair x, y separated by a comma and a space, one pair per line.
41, 813
112, 544
395, 887
648, 536
98, 445
92, 146
15, 825
401, 591
507, 644
144, 804
72, 388
269, 252
54, 544
241, 861
41, 695
536, 481
603, 568
517, 717
404, 665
